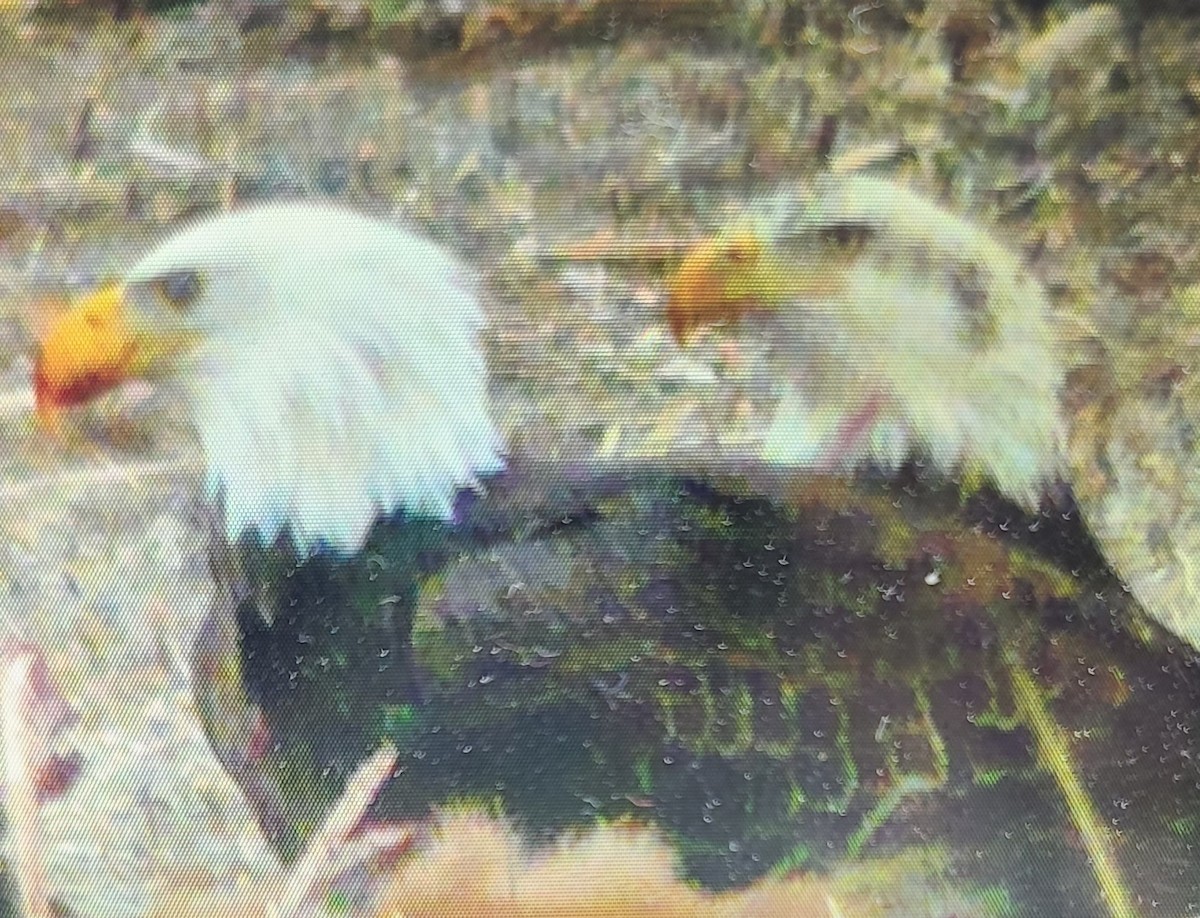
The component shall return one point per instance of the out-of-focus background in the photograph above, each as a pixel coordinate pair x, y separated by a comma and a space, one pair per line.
905, 693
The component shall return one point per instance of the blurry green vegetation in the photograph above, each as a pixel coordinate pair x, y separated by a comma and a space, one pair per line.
117, 9
492, 30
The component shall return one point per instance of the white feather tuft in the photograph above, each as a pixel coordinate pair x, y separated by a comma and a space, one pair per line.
340, 375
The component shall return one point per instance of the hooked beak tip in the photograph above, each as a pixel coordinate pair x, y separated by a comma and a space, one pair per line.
681, 319
43, 395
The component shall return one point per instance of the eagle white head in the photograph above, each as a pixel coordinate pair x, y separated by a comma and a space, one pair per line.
331, 362
904, 329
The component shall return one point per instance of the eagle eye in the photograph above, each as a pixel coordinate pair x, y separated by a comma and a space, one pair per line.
738, 253
179, 289
847, 236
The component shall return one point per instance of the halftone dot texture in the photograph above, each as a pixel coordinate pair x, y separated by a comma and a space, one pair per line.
452, 556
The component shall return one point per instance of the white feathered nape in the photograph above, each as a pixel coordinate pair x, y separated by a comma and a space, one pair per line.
340, 375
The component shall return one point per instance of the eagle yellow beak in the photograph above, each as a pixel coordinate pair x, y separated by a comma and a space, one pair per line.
709, 286
724, 278
86, 352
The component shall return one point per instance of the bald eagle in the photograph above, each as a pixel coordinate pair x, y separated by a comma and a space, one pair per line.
334, 377
903, 330
330, 361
